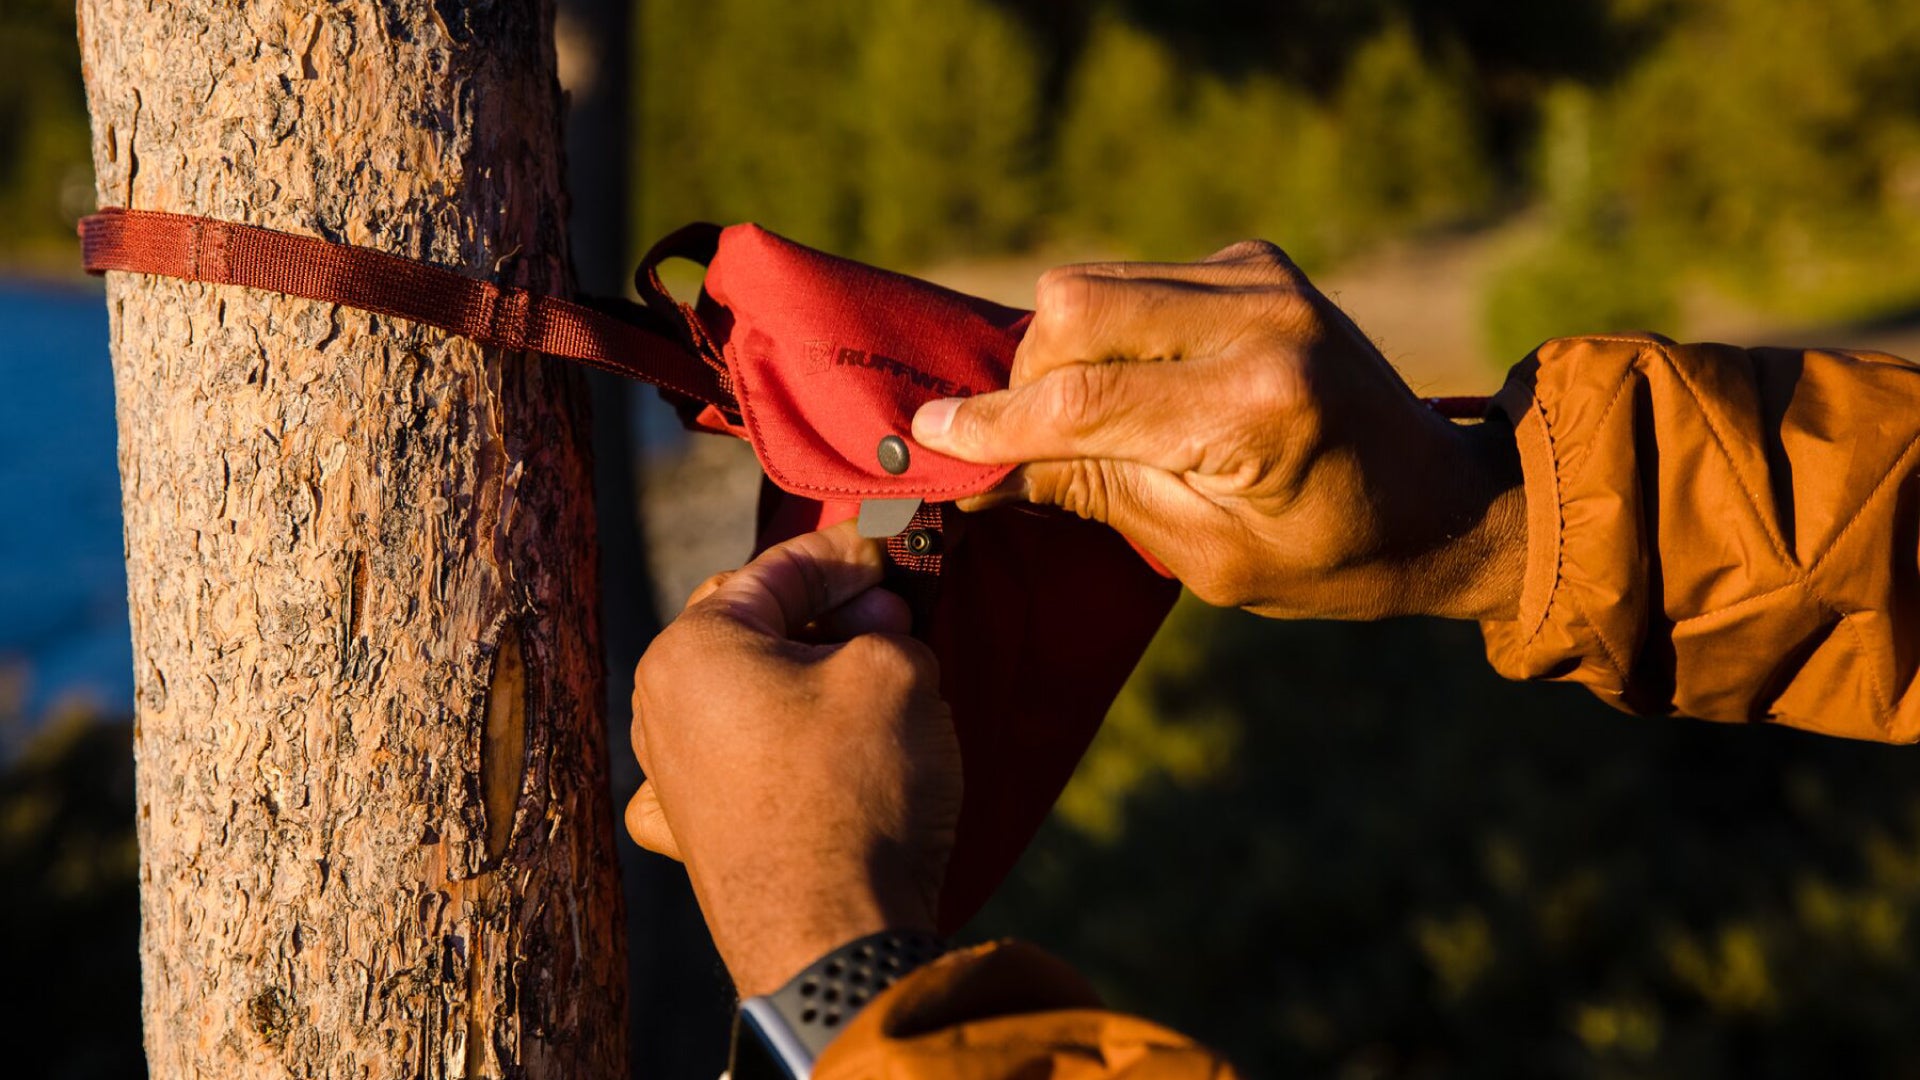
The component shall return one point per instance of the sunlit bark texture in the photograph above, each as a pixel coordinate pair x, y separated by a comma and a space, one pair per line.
374, 829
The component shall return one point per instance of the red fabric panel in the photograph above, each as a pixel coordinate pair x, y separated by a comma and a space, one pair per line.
829, 356
1042, 618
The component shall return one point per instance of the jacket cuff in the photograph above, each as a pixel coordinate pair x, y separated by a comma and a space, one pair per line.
1007, 1009
1582, 600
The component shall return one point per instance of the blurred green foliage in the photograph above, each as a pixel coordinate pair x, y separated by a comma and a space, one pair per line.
869, 128
69, 900
46, 177
1350, 850
1768, 152
903, 131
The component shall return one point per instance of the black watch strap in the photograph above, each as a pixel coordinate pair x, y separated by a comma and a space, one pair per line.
795, 1023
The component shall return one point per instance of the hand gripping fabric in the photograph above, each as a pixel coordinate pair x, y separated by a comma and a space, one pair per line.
1037, 618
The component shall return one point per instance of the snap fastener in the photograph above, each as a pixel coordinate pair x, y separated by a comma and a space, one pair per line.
922, 541
893, 455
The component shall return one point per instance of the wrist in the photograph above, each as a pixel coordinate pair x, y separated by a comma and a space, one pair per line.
767, 933
782, 1033
1475, 572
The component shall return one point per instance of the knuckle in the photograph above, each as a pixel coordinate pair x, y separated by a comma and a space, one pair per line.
885, 661
1295, 313
1246, 250
1066, 298
706, 587
1223, 583
918, 658
691, 642
1049, 293
1264, 254
1277, 387
1081, 486
637, 727
1077, 397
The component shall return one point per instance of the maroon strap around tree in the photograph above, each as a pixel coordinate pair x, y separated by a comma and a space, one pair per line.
202, 249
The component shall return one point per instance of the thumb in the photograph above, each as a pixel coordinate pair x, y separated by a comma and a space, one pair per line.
1139, 412
793, 583
647, 824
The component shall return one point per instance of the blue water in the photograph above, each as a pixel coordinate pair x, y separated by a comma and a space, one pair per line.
63, 586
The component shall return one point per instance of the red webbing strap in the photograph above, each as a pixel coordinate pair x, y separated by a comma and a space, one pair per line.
202, 249
914, 559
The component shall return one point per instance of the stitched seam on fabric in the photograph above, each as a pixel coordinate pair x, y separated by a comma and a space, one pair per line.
1745, 601
787, 482
1882, 699
1613, 657
1619, 395
193, 249
1799, 578
1720, 442
1803, 578
1897, 470
1560, 518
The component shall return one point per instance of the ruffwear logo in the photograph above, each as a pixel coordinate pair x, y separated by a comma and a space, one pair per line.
819, 356
825, 355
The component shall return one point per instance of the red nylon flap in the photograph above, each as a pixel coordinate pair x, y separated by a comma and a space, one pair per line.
829, 356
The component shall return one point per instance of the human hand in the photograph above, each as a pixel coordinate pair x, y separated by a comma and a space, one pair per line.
799, 758
1230, 419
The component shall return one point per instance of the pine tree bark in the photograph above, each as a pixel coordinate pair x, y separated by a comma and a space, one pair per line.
374, 827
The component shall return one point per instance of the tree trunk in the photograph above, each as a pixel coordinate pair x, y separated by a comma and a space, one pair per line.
374, 830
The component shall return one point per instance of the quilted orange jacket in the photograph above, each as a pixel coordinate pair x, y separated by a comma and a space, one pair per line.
1723, 533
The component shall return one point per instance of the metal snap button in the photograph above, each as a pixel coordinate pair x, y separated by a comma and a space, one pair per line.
893, 455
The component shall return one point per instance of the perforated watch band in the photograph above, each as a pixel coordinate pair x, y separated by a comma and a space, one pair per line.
796, 1022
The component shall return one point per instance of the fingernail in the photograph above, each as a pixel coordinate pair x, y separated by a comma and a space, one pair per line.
934, 420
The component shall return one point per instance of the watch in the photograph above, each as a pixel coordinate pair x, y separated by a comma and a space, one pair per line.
777, 1036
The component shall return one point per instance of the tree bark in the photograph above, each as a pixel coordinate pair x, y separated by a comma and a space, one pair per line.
374, 828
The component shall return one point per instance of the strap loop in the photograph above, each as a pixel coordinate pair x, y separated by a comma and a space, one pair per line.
696, 243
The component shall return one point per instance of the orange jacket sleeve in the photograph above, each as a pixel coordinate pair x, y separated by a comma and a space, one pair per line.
1731, 534
1007, 1010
